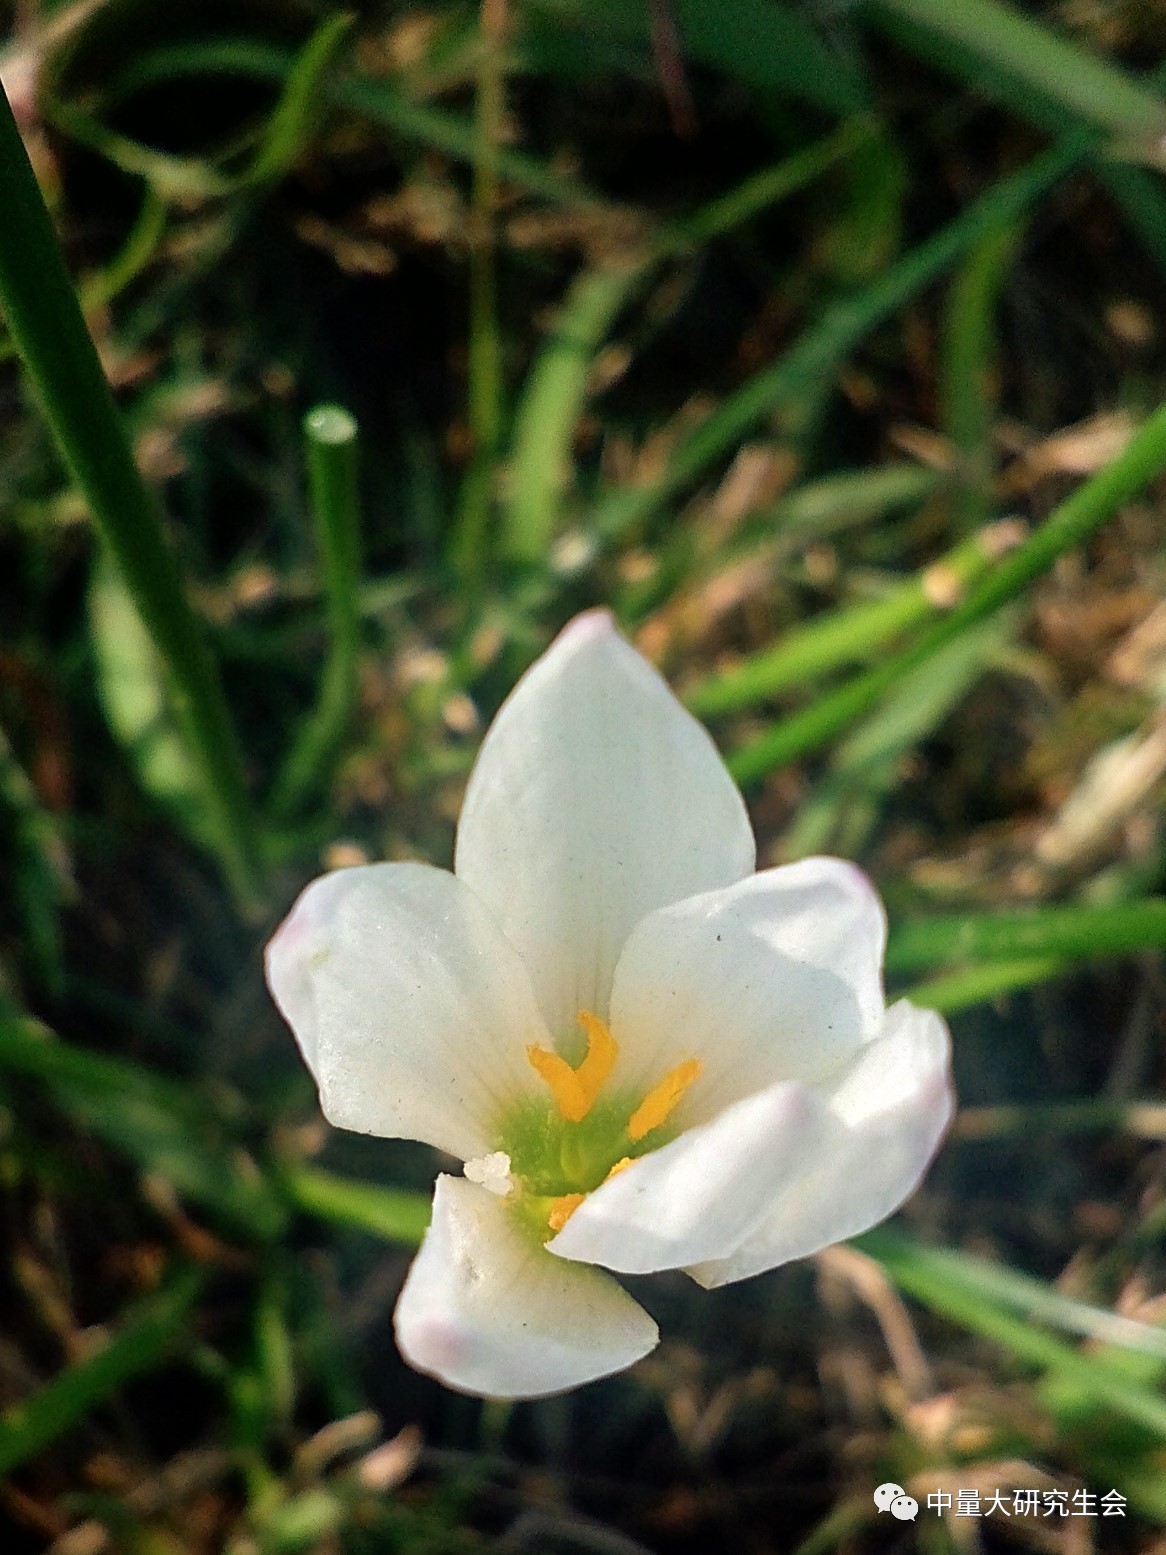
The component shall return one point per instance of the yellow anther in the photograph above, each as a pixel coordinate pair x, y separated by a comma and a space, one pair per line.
563, 1208
562, 1082
620, 1166
602, 1052
574, 1090
660, 1101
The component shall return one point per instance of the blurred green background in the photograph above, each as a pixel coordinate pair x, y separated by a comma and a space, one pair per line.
823, 341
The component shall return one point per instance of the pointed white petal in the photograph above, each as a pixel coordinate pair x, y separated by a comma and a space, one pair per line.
595, 798
488, 1311
777, 977
411, 1009
885, 1118
699, 1197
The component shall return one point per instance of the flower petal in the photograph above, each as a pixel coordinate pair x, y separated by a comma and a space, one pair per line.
885, 1117
486, 1311
777, 977
699, 1197
595, 798
411, 1009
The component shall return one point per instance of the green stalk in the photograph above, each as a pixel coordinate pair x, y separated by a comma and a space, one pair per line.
43, 316
330, 438
1070, 525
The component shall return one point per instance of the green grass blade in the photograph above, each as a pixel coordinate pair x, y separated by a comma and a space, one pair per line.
393, 1214
1021, 1293
378, 101
851, 635
968, 353
1068, 73
290, 126
161, 1124
552, 401
827, 343
954, 1286
331, 441
843, 807
142, 1340
1078, 517
1076, 932
43, 316
982, 984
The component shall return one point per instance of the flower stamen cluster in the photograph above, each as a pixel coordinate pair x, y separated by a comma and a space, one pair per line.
574, 1092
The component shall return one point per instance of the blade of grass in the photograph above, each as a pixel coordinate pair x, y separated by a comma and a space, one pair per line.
377, 100
161, 1124
290, 125
471, 538
842, 809
853, 634
951, 1286
331, 442
552, 401
980, 985
1072, 523
393, 1214
1020, 1293
1120, 929
1091, 88
43, 316
968, 370
828, 342
151, 1329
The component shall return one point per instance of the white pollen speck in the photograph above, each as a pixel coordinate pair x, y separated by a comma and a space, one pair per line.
491, 1172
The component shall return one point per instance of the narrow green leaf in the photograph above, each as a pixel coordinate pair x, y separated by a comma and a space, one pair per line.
843, 807
1079, 516
134, 695
161, 1124
290, 125
827, 343
394, 1214
853, 634
1072, 931
981, 984
552, 401
137, 1346
1090, 87
43, 316
957, 1288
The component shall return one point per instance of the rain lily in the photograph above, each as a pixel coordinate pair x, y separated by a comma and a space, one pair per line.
646, 1055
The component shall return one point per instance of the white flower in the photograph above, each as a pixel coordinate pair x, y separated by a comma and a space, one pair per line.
647, 1056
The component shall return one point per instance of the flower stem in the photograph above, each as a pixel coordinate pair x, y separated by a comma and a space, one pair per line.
330, 436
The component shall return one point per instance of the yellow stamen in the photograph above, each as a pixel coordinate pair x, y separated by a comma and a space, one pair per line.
602, 1052
563, 1208
660, 1101
620, 1166
562, 1081
574, 1090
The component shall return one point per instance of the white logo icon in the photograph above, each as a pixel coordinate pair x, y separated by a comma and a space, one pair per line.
886, 1493
905, 1508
